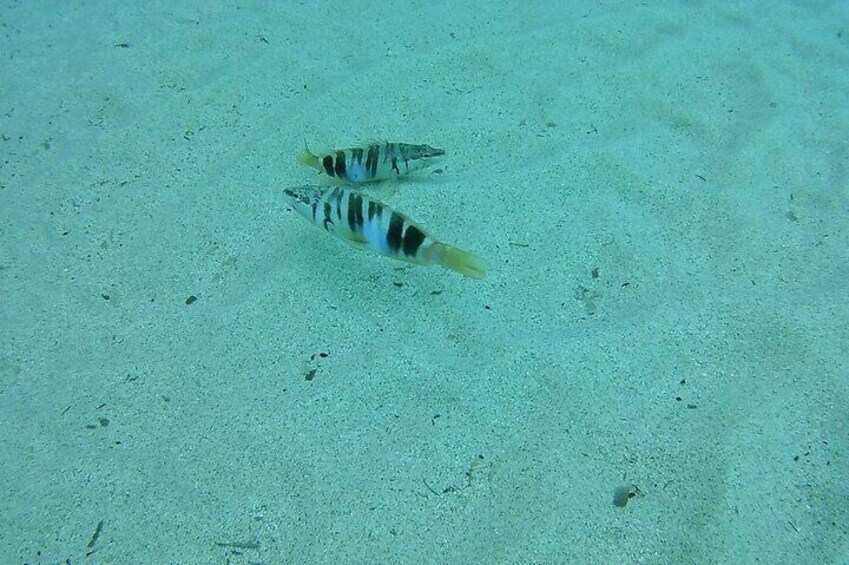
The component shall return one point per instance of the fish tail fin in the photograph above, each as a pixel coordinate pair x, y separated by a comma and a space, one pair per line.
456, 260
308, 158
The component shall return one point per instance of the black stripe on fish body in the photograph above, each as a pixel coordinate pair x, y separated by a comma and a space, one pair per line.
328, 209
392, 154
372, 159
395, 231
315, 212
357, 157
327, 163
374, 209
337, 196
355, 212
413, 238
340, 164
356, 170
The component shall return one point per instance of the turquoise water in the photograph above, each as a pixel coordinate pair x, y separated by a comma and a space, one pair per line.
191, 373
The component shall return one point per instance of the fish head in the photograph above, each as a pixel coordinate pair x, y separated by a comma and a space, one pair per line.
427, 152
304, 198
408, 152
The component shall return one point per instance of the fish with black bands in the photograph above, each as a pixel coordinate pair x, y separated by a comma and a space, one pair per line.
375, 162
364, 222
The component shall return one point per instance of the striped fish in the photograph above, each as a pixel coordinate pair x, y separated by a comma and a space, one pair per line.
366, 223
378, 161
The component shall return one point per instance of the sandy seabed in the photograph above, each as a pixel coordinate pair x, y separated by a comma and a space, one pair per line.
191, 373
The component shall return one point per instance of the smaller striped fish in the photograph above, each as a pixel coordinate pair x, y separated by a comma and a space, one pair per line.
366, 223
378, 161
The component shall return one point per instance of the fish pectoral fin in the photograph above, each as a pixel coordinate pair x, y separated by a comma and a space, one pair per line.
350, 236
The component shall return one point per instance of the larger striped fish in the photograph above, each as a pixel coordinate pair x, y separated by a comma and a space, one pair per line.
378, 161
366, 223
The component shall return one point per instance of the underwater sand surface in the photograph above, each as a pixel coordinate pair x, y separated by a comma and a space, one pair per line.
653, 370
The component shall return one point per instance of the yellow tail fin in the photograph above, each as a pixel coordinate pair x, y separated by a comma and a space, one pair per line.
457, 260
307, 158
